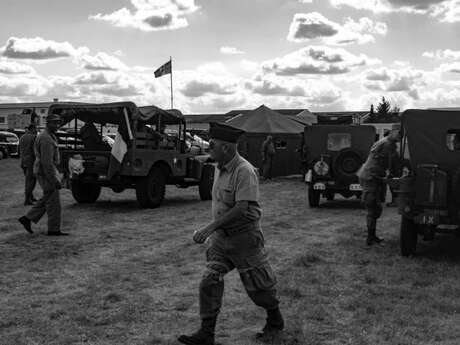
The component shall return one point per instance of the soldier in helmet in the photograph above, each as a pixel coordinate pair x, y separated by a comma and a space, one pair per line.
46, 169
381, 160
235, 240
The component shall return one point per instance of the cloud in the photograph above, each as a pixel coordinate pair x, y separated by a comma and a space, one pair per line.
306, 1
317, 60
450, 67
443, 54
12, 67
101, 61
196, 88
231, 51
444, 10
151, 15
308, 26
39, 49
92, 78
406, 79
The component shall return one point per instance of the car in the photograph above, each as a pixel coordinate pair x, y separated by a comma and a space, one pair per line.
429, 190
144, 155
332, 154
9, 145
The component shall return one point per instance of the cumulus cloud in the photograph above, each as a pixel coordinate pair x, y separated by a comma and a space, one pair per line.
406, 80
231, 51
306, 1
101, 61
317, 60
12, 67
151, 15
450, 67
443, 54
444, 10
197, 88
39, 49
308, 26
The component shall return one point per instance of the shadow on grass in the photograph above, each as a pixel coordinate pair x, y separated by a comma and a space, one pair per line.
341, 203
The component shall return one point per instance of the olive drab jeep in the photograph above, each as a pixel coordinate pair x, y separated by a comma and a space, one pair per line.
429, 192
143, 155
333, 155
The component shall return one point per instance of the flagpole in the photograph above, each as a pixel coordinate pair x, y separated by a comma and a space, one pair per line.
170, 59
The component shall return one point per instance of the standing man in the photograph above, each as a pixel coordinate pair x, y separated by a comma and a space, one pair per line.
381, 160
46, 169
268, 153
27, 154
235, 240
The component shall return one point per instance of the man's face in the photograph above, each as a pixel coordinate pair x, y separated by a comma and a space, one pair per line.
217, 149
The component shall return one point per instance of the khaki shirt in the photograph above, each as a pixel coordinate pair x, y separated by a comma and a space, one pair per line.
381, 157
26, 149
236, 181
47, 157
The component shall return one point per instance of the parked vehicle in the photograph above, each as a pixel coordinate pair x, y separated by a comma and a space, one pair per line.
9, 145
429, 193
333, 154
149, 159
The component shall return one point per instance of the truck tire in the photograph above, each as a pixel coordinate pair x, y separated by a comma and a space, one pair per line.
313, 197
347, 164
85, 193
206, 182
408, 236
150, 190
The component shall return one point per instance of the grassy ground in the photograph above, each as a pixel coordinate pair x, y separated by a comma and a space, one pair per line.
130, 276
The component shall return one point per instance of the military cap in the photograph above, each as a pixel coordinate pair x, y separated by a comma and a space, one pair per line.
53, 117
224, 132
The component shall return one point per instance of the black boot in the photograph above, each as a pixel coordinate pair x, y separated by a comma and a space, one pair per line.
371, 236
273, 326
204, 336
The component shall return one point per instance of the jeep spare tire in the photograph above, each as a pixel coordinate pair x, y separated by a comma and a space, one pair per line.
150, 190
206, 182
347, 164
85, 193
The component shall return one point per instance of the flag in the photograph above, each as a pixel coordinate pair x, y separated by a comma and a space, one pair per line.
165, 69
120, 146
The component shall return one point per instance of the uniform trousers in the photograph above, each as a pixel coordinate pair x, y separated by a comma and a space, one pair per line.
30, 182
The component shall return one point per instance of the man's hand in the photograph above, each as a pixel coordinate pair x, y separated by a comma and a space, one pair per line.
200, 236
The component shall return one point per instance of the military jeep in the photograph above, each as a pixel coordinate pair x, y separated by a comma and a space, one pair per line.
429, 192
333, 155
143, 156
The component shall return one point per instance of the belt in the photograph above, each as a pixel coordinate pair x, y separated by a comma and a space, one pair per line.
247, 227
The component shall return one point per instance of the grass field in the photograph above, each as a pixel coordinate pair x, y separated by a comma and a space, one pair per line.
130, 276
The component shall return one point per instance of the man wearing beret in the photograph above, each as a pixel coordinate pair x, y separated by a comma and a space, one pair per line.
380, 163
46, 169
235, 240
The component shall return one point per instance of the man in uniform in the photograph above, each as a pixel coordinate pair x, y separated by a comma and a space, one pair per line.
380, 162
268, 154
27, 154
235, 240
46, 169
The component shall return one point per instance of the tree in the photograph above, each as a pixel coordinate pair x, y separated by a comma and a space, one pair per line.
383, 108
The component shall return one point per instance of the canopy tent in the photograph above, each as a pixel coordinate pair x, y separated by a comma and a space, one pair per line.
286, 134
114, 113
305, 117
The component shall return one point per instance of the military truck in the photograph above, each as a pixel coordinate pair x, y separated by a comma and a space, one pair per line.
429, 191
333, 154
142, 156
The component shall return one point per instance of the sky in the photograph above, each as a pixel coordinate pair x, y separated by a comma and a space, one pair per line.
322, 55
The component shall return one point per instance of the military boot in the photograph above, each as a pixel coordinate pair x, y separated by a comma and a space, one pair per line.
204, 336
273, 326
371, 236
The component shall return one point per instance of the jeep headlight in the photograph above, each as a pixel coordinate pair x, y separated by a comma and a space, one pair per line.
321, 168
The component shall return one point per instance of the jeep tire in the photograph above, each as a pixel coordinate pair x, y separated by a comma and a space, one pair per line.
313, 197
408, 236
3, 154
150, 190
347, 164
206, 182
85, 193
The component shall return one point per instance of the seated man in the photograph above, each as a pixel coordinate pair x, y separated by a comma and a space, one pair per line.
92, 141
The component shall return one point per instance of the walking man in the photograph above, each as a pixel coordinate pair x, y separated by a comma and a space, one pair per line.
27, 155
46, 169
381, 160
268, 154
235, 240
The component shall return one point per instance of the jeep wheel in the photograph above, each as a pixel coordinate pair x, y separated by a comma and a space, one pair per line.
150, 190
2, 154
347, 164
408, 236
85, 193
313, 197
206, 182
330, 196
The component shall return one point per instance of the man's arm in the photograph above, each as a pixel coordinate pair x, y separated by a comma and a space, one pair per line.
227, 218
46, 149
